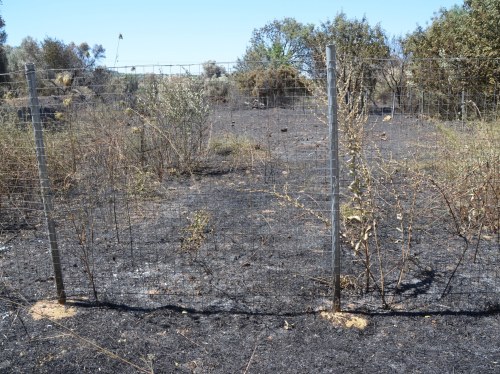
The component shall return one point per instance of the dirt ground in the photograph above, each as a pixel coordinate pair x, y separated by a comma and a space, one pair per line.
249, 293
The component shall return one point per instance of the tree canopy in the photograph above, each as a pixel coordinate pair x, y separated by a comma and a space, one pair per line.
462, 47
353, 39
460, 43
468, 31
301, 48
52, 53
280, 42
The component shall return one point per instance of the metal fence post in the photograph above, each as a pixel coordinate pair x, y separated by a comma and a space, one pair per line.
334, 172
44, 181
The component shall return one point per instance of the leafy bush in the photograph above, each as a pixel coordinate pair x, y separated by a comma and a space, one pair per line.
212, 70
217, 89
273, 86
175, 114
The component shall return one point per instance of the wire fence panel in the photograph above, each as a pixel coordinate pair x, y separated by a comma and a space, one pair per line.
21, 210
421, 186
174, 188
165, 194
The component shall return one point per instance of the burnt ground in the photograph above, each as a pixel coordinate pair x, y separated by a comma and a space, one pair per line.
227, 270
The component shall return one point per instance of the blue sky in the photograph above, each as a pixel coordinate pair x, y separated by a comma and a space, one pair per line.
182, 32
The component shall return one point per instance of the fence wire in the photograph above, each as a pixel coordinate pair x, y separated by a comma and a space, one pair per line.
163, 195
172, 188
420, 185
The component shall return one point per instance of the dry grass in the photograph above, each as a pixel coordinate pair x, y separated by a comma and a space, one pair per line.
239, 151
345, 320
466, 172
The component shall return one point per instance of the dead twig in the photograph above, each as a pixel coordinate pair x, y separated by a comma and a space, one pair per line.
253, 354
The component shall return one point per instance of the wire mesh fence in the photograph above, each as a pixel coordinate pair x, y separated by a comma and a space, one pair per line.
421, 183
164, 195
171, 187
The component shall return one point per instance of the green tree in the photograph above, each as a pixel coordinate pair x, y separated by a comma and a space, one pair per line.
302, 47
271, 68
57, 55
458, 53
361, 51
212, 70
52, 53
88, 56
76, 62
3, 52
353, 39
485, 25
280, 42
28, 51
274, 86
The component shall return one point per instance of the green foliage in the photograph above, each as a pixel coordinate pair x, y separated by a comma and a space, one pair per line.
77, 62
3, 34
28, 51
273, 86
58, 55
3, 52
217, 89
484, 21
87, 56
175, 114
4, 63
280, 50
277, 43
472, 30
196, 232
353, 39
216, 81
212, 70
360, 53
462, 46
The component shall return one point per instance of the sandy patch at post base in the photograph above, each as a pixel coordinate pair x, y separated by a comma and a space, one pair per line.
50, 309
345, 320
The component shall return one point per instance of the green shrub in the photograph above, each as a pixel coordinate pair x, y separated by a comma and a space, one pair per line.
175, 112
217, 89
273, 86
